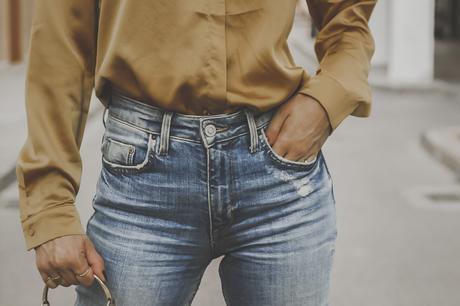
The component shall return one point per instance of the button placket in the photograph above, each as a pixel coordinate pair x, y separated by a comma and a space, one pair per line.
208, 132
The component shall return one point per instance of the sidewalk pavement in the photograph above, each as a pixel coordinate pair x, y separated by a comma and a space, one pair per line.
444, 144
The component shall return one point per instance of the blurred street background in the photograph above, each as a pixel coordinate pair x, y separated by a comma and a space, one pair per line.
396, 174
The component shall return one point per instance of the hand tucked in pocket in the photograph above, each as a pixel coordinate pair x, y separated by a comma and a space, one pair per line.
299, 128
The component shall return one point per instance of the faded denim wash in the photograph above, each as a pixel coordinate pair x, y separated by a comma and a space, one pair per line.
177, 191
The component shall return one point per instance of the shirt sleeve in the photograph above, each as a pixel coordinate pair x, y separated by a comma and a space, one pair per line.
344, 47
58, 87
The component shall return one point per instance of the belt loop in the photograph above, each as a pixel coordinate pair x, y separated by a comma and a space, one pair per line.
252, 130
164, 134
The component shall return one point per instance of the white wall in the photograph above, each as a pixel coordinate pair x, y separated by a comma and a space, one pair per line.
379, 27
411, 41
403, 31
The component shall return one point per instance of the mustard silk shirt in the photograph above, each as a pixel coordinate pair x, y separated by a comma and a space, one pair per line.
196, 57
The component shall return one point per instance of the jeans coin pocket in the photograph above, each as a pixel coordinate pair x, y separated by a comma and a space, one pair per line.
126, 149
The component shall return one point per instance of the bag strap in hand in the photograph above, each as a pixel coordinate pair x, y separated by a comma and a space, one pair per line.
108, 295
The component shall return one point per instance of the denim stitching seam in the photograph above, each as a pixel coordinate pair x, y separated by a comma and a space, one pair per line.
211, 238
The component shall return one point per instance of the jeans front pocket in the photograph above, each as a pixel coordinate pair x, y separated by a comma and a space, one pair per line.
282, 161
126, 149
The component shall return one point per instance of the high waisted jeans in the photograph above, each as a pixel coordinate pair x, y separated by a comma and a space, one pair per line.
178, 190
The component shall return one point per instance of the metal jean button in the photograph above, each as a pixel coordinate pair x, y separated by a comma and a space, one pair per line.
210, 130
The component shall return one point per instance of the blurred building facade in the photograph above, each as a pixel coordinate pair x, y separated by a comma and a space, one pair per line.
416, 39
406, 34
15, 23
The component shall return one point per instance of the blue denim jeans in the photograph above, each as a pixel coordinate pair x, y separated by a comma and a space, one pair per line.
177, 191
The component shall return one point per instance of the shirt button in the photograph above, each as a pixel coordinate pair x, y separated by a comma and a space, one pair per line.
31, 231
210, 130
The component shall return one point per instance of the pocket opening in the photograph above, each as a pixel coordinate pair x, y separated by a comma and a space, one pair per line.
282, 160
120, 156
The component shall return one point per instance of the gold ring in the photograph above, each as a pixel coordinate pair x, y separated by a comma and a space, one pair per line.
84, 273
49, 279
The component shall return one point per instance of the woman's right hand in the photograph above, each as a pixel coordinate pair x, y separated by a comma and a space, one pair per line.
67, 257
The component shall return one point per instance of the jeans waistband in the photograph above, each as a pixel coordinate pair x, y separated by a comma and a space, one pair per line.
205, 129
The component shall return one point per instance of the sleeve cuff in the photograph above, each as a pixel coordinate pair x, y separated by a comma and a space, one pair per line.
52, 223
330, 94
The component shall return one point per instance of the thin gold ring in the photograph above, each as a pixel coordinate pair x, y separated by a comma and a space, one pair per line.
84, 273
49, 279
53, 278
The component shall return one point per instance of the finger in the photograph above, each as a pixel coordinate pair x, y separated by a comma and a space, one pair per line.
283, 143
56, 277
291, 155
296, 155
63, 282
56, 267
51, 284
95, 260
274, 127
47, 280
301, 156
46, 273
309, 160
310, 156
280, 147
68, 277
85, 276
